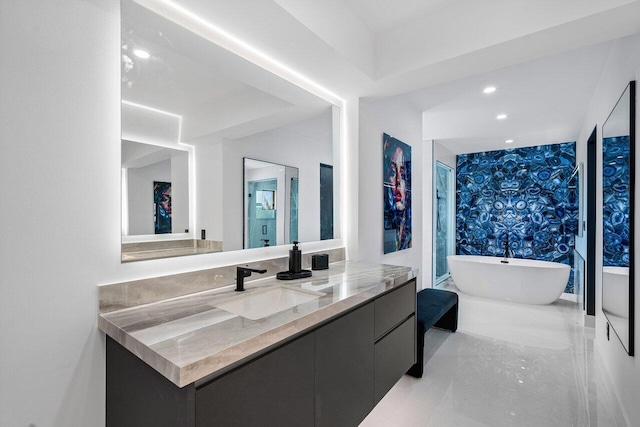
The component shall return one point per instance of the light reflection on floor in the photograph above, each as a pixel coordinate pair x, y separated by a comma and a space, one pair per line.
507, 365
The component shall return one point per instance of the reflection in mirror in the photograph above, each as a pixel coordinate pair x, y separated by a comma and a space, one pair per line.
575, 196
270, 204
326, 202
618, 163
155, 189
182, 92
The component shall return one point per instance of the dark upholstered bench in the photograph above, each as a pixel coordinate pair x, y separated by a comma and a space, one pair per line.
435, 307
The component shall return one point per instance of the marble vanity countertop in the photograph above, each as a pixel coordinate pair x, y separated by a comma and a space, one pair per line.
187, 338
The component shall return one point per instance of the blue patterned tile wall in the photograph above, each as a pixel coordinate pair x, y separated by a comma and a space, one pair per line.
615, 193
522, 192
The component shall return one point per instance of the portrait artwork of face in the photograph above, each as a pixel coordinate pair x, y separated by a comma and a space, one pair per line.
397, 178
162, 203
165, 201
397, 194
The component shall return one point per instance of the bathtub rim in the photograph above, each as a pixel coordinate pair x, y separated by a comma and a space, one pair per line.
516, 262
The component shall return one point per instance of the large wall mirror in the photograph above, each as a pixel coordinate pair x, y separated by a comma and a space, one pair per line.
192, 112
618, 198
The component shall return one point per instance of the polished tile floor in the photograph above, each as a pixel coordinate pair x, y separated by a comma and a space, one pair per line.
507, 365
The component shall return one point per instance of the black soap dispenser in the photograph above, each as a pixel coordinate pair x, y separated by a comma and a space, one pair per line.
295, 259
295, 266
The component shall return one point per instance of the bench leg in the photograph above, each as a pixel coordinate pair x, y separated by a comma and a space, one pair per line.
449, 320
418, 367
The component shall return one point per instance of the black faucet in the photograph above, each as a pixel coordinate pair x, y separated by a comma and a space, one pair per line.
507, 251
242, 272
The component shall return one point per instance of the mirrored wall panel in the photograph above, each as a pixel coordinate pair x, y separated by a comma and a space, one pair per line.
618, 187
183, 94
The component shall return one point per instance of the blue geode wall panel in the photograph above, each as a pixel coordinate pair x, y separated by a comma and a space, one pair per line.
523, 192
615, 193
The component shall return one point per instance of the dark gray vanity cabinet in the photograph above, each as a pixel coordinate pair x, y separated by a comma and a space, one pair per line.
332, 376
137, 395
274, 390
344, 368
395, 337
361, 355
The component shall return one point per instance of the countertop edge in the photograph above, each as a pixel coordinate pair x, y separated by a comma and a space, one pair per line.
142, 351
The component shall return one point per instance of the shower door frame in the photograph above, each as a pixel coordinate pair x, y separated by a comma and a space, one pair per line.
451, 220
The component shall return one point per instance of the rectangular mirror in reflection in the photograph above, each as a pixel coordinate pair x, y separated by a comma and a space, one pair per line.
270, 204
618, 164
184, 93
155, 189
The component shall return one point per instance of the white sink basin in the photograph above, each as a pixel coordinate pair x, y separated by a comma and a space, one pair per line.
265, 302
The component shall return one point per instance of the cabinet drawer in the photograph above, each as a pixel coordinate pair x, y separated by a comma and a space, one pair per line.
394, 307
394, 355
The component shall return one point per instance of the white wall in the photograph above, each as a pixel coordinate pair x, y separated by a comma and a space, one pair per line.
399, 119
622, 66
60, 227
428, 160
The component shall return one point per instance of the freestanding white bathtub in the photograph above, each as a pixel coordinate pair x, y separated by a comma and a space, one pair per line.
524, 281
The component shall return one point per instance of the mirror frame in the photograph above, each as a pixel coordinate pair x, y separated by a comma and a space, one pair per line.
577, 175
631, 87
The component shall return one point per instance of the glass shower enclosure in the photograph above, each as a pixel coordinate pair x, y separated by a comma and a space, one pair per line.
443, 221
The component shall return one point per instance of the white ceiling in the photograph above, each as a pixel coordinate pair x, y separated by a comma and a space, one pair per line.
544, 56
347, 46
384, 15
545, 101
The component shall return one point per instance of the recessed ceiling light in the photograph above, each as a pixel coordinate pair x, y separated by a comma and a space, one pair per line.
501, 116
141, 53
509, 141
489, 89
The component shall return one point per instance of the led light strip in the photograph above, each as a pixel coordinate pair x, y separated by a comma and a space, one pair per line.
206, 29
156, 110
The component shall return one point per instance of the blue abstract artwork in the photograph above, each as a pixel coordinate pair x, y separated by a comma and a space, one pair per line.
615, 204
397, 194
522, 193
161, 207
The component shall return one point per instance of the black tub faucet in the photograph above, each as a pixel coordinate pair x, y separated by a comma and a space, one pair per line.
507, 252
242, 272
